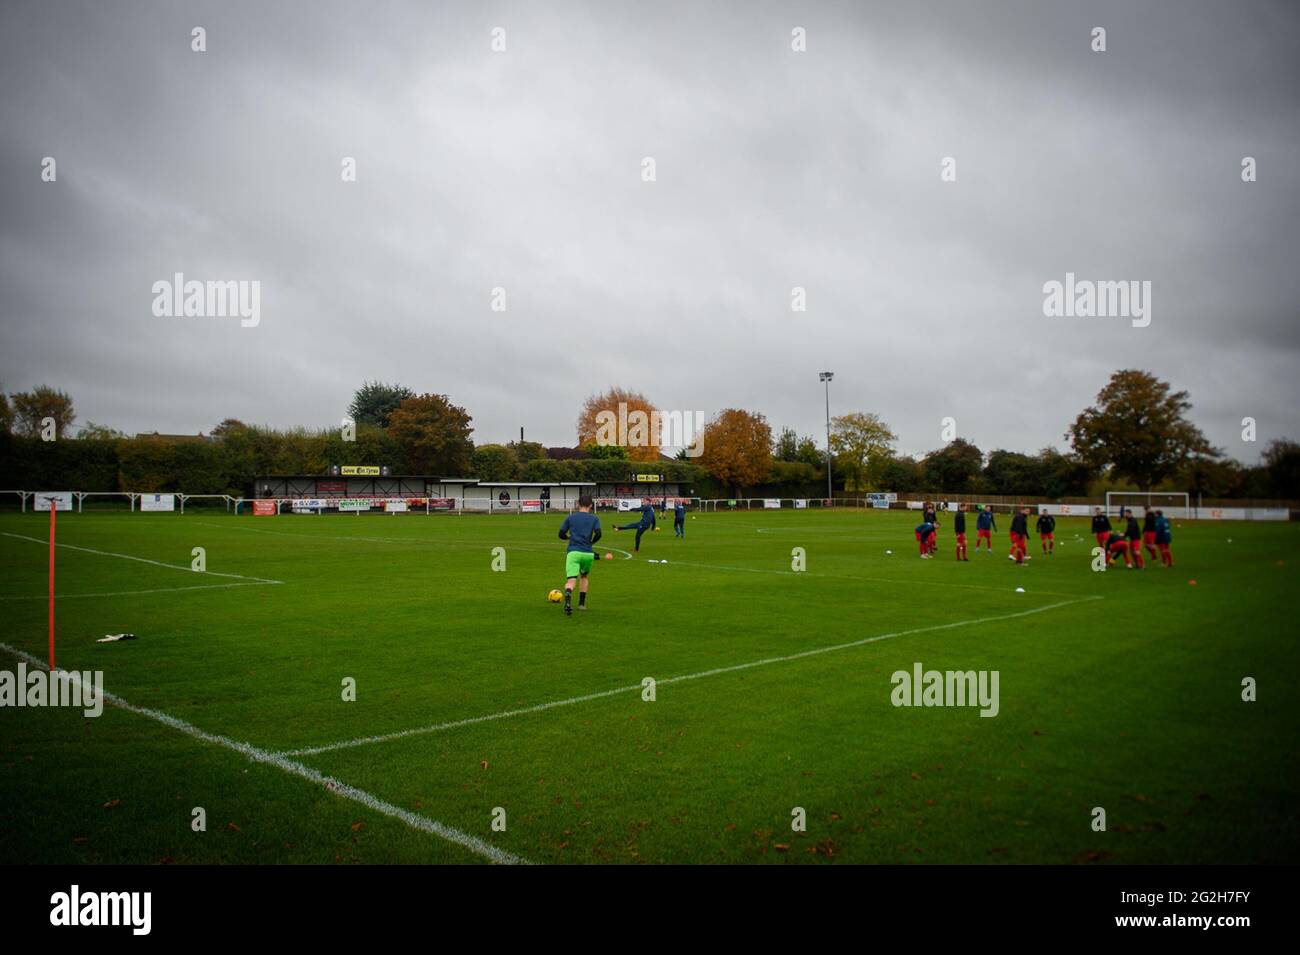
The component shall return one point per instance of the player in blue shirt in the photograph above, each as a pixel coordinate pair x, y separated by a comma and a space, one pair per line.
924, 535
984, 528
581, 529
1164, 537
679, 519
647, 522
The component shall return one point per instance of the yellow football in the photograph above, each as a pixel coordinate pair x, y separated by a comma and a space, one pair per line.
555, 596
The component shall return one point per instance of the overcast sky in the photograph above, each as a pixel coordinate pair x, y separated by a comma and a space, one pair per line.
775, 169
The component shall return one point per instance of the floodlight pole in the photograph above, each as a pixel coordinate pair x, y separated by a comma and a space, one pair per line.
825, 377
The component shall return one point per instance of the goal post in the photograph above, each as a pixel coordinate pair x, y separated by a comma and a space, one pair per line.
1173, 503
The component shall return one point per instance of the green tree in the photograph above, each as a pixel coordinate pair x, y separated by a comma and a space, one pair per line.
432, 435
6, 414
606, 452
31, 408
901, 474
1063, 475
785, 447
526, 451
227, 426
1211, 477
375, 402
495, 462
1281, 461
810, 453
953, 467
1138, 428
98, 432
1012, 473
860, 442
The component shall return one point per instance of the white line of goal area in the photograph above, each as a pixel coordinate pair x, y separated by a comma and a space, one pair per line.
717, 671
282, 762
142, 560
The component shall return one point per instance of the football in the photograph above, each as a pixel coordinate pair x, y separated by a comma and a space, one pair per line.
555, 596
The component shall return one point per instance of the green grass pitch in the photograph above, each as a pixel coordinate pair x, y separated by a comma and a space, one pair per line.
1120, 690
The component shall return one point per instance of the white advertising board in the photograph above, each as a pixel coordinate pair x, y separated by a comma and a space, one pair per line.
62, 500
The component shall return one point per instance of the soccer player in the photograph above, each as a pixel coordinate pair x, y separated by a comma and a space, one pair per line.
1134, 534
984, 528
1149, 532
1100, 526
959, 529
1019, 535
646, 522
679, 519
1047, 532
1115, 546
1164, 537
581, 529
924, 534
929, 515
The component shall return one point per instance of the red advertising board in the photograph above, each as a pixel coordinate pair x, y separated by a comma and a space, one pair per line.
264, 508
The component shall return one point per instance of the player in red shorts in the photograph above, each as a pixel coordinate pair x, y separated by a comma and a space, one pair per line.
984, 527
1100, 526
1047, 532
924, 534
1019, 535
1149, 532
1164, 537
1115, 547
1134, 534
959, 529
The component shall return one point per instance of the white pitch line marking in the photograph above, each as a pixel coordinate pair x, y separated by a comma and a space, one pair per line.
143, 560
767, 661
280, 761
132, 593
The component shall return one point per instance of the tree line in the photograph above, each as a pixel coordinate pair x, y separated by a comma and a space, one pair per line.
1135, 435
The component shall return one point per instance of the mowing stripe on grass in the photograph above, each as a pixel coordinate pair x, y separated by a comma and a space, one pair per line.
143, 560
879, 580
132, 593
573, 700
280, 761
358, 539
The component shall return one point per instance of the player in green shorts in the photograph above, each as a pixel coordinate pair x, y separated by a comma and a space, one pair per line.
581, 529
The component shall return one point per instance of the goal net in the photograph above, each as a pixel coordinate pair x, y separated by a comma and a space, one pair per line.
1173, 503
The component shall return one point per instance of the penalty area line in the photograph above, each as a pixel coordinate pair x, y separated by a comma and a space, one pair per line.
280, 761
717, 671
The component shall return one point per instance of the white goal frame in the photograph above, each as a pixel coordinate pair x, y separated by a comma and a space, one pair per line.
1117, 501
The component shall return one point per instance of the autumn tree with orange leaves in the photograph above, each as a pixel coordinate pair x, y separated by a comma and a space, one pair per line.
738, 448
623, 418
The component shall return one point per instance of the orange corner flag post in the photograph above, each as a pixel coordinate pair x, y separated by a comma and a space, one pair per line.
54, 509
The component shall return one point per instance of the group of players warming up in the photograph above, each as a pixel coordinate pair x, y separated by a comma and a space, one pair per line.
1155, 534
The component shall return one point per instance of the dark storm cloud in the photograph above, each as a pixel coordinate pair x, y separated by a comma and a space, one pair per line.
775, 170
